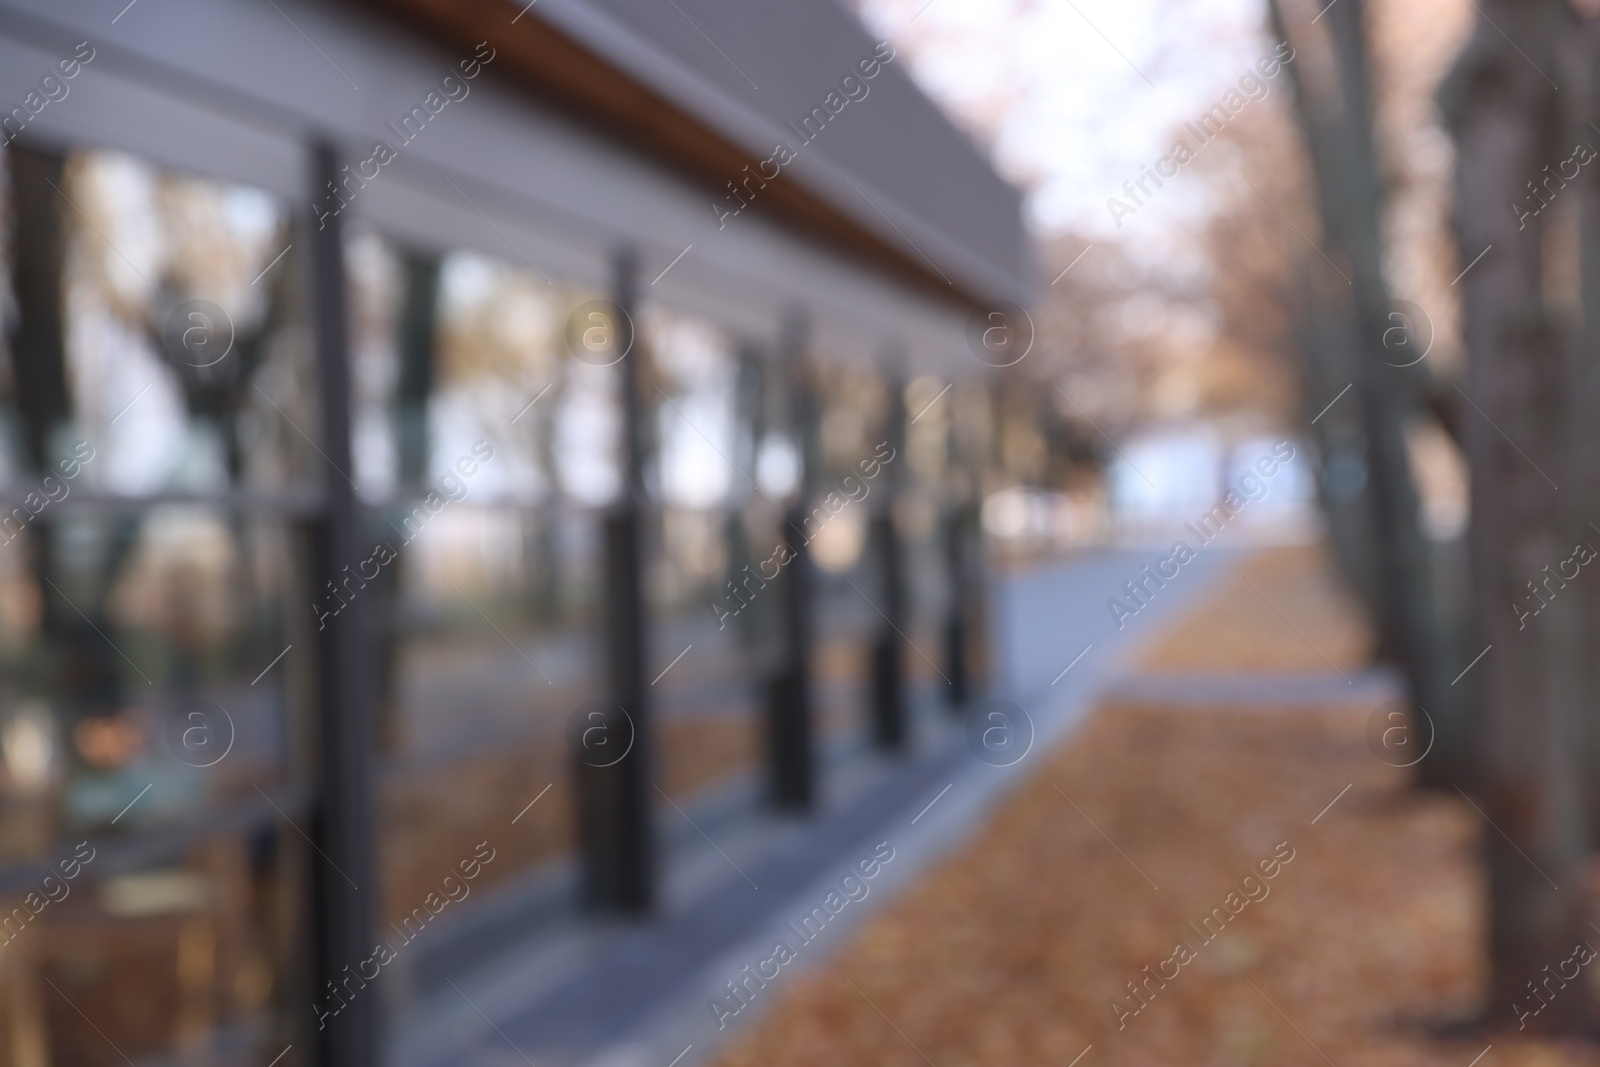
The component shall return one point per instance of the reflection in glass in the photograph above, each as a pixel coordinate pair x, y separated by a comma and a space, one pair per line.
162, 357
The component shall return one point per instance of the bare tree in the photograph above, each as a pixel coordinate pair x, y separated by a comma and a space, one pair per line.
1506, 113
1581, 75
1335, 112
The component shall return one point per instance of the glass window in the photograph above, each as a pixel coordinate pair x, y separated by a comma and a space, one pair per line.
154, 654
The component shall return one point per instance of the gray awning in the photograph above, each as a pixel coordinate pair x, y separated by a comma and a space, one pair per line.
890, 160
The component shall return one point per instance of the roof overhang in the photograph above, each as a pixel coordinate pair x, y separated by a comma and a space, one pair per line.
587, 60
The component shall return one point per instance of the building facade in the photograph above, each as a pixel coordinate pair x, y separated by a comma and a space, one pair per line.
436, 438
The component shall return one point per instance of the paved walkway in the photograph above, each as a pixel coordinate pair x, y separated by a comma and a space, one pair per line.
565, 989
1217, 869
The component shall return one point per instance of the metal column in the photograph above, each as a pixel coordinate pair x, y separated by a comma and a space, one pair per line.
964, 645
958, 653
888, 653
344, 876
790, 760
614, 795
415, 344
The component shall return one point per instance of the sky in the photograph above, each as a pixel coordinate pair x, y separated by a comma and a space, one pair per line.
1073, 96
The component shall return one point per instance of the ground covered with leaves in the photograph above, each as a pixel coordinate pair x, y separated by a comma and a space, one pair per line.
1019, 948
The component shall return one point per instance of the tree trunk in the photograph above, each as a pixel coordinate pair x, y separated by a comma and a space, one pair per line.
1583, 377
1324, 344
1339, 138
1507, 118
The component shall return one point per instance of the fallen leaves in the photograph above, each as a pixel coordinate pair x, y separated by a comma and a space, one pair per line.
1011, 950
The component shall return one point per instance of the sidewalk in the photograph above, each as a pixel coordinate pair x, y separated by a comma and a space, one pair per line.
567, 989
1327, 911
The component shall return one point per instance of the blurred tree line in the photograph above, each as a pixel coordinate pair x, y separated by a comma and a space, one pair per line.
1495, 643
1414, 217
